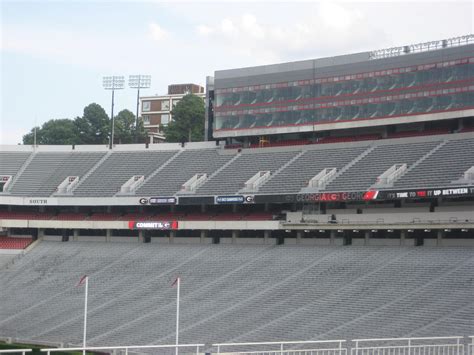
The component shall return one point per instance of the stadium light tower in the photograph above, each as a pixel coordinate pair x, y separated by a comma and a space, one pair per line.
138, 82
113, 83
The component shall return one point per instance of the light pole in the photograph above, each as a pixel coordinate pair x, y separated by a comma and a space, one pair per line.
138, 82
113, 83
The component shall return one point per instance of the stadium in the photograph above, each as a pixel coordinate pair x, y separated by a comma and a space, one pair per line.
330, 209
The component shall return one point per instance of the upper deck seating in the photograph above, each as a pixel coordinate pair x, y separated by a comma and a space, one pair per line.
233, 177
169, 180
11, 162
49, 169
440, 169
120, 166
364, 173
297, 174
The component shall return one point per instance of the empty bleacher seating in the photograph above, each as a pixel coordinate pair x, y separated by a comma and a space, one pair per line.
232, 293
227, 170
297, 174
48, 169
14, 242
169, 180
438, 170
363, 174
11, 161
120, 166
233, 177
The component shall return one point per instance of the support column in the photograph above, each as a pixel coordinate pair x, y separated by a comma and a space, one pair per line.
75, 235
439, 238
203, 236
234, 208
235, 235
332, 237
266, 236
367, 236
108, 235
203, 208
299, 235
140, 236
403, 236
265, 207
172, 236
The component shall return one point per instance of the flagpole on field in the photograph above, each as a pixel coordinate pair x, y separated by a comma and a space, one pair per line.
85, 316
178, 281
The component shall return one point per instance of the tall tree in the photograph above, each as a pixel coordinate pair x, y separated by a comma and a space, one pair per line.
125, 131
188, 120
93, 126
61, 131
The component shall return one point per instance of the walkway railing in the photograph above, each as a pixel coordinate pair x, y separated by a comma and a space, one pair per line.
165, 349
470, 345
324, 347
409, 346
16, 351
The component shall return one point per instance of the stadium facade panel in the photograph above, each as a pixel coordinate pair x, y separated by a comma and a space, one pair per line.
343, 92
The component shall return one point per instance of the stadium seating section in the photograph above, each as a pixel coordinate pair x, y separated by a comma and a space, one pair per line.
14, 243
432, 161
233, 293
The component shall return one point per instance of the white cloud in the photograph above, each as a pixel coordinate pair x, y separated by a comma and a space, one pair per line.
199, 39
204, 30
228, 28
337, 16
327, 26
251, 27
157, 32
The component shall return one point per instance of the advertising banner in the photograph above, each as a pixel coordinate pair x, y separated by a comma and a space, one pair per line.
160, 225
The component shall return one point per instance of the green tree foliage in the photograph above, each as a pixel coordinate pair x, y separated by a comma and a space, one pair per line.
188, 120
125, 128
62, 131
94, 126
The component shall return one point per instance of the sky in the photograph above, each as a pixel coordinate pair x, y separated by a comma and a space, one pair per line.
53, 54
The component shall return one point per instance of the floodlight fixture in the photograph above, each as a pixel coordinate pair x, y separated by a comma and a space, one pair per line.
138, 82
113, 83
